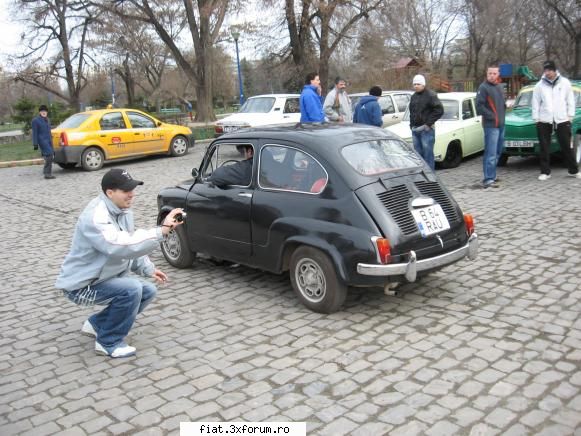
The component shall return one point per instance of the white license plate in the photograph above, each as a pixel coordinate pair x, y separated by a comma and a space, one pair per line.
430, 220
524, 144
228, 129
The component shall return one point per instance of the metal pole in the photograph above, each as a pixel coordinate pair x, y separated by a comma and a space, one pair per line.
112, 89
239, 73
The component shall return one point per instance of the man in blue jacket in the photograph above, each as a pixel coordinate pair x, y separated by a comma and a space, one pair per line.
310, 100
367, 110
42, 138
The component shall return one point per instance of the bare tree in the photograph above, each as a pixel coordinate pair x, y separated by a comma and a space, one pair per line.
569, 15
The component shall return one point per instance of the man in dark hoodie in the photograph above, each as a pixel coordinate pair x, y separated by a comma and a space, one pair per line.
42, 138
425, 109
491, 105
367, 110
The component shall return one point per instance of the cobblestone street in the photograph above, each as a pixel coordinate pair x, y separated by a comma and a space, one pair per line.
490, 347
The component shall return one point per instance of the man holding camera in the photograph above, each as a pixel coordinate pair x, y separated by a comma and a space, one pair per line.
105, 248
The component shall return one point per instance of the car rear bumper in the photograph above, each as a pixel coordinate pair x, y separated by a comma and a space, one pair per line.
413, 266
191, 140
68, 154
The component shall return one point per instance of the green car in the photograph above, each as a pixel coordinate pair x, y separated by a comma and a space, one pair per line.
520, 135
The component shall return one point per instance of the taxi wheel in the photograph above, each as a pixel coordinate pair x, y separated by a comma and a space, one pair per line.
315, 281
92, 159
67, 166
178, 146
176, 250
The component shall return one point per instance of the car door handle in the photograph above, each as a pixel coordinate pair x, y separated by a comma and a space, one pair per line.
137, 133
245, 194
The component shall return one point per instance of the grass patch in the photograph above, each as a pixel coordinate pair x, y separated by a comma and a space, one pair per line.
9, 127
203, 132
18, 151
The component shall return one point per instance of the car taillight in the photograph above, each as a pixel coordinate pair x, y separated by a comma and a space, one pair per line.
469, 223
383, 250
64, 141
218, 129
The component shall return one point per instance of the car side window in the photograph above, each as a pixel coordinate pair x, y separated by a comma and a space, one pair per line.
402, 101
112, 121
467, 110
139, 121
288, 169
222, 155
291, 106
386, 105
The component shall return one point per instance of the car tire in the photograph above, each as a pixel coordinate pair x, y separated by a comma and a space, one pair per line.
67, 166
315, 281
92, 159
178, 146
453, 156
502, 161
176, 249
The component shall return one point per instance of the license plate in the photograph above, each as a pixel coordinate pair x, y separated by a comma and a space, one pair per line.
228, 129
430, 220
523, 144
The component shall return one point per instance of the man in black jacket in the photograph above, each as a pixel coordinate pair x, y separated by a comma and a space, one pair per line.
239, 173
425, 110
491, 105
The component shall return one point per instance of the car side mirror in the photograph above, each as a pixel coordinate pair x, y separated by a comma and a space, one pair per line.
195, 173
158, 124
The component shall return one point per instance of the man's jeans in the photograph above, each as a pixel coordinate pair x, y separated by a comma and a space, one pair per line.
124, 297
47, 169
493, 146
424, 145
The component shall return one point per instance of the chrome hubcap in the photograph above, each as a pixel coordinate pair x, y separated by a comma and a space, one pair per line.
180, 145
311, 280
171, 245
93, 159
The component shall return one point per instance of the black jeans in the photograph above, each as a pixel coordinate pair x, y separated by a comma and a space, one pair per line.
544, 131
47, 170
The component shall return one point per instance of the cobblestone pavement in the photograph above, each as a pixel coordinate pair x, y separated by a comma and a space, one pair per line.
491, 347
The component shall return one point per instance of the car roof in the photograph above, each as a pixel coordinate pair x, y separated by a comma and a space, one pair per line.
362, 94
275, 95
104, 111
456, 95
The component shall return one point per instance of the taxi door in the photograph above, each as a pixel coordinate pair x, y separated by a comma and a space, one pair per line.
113, 136
146, 136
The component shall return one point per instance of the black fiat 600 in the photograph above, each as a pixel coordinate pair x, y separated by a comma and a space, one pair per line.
335, 205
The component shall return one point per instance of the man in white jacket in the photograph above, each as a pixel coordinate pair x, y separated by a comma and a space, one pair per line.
106, 247
553, 109
337, 106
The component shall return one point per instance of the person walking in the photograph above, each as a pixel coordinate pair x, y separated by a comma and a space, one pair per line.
337, 106
310, 100
106, 247
367, 110
553, 110
42, 138
490, 103
425, 109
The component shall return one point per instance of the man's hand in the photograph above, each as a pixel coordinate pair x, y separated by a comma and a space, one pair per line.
169, 223
159, 276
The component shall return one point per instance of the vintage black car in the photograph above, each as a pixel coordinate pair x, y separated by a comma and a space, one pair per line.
336, 205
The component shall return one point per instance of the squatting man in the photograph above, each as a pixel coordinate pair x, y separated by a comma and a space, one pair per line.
105, 249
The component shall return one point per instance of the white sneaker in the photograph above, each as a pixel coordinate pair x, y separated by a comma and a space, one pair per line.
88, 329
577, 175
121, 350
544, 177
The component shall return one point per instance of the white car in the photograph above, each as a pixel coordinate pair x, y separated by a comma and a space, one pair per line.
262, 110
459, 132
392, 103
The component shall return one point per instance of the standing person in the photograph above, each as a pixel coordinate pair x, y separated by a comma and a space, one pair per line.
105, 248
337, 106
310, 100
553, 110
367, 110
42, 138
491, 105
425, 109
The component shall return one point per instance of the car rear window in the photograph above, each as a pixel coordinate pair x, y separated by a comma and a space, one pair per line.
73, 121
380, 156
450, 111
524, 99
258, 105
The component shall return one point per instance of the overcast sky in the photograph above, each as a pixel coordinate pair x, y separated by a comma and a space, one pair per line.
10, 31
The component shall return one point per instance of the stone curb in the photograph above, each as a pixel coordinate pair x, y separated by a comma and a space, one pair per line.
21, 163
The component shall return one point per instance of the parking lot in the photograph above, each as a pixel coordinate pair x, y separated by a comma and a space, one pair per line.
490, 347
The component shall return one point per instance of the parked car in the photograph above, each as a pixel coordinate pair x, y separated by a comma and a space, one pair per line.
93, 137
520, 134
392, 103
335, 205
459, 132
262, 110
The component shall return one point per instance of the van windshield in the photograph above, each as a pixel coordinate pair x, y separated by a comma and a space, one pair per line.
258, 105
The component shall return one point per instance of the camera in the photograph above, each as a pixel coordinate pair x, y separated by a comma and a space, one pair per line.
179, 217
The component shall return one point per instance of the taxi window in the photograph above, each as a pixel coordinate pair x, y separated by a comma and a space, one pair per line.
288, 169
139, 121
380, 156
73, 121
112, 121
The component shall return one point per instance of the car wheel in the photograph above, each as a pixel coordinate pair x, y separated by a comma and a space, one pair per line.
178, 146
502, 160
315, 281
92, 159
453, 156
67, 166
176, 250
577, 145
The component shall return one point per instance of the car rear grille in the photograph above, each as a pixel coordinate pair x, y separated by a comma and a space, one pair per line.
396, 201
434, 190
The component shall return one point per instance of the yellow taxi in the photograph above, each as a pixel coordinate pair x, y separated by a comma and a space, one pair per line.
90, 138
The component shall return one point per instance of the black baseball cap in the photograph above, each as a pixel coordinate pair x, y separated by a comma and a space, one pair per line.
549, 65
118, 178
43, 108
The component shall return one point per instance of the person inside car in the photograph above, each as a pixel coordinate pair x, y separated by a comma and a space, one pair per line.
239, 173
